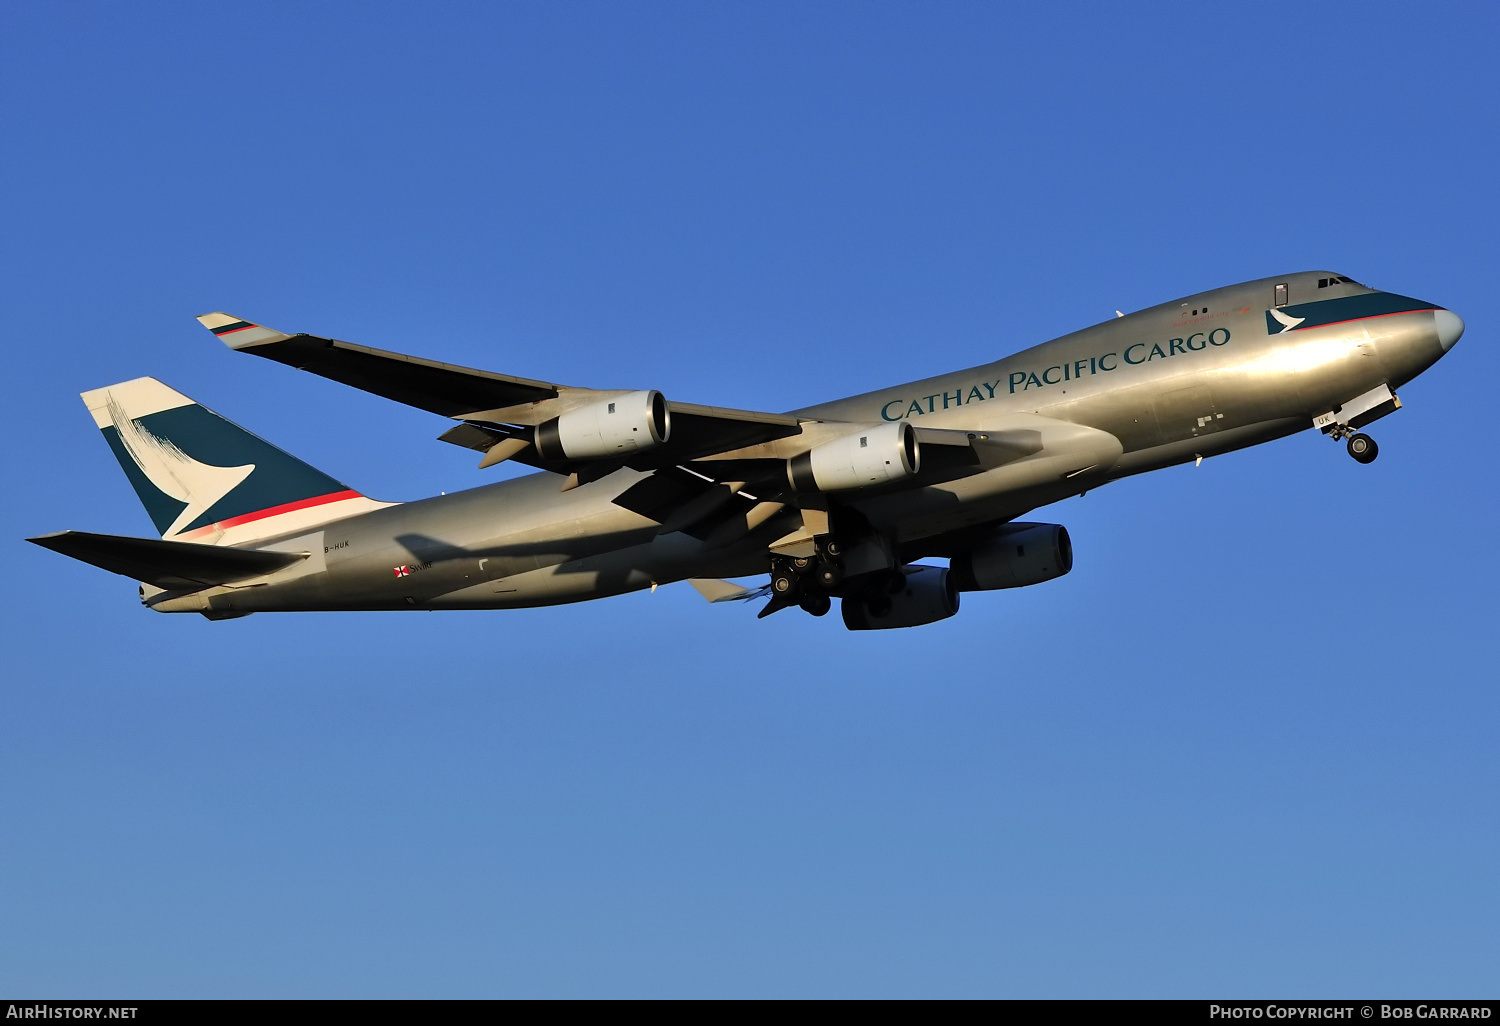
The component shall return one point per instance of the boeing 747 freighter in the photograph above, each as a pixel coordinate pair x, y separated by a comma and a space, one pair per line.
838, 501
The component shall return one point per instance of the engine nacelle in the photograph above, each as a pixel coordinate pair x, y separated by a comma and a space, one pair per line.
609, 427
1014, 556
860, 460
921, 594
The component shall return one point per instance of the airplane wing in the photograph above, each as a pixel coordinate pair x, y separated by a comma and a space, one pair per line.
497, 408
720, 472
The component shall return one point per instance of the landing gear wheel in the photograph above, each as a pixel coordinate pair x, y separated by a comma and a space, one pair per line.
801, 563
833, 548
830, 575
816, 604
782, 582
1363, 448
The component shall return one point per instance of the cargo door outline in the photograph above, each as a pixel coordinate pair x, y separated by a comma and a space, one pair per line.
1187, 413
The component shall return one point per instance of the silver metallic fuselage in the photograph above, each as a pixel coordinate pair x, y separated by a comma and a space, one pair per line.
1195, 377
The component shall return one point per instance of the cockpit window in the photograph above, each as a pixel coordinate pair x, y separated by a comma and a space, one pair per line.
1323, 283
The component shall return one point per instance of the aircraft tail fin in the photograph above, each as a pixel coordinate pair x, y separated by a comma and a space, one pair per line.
205, 479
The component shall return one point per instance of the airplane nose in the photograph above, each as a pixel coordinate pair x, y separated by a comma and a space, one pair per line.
1450, 327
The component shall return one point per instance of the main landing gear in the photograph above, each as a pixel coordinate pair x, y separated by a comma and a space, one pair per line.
806, 581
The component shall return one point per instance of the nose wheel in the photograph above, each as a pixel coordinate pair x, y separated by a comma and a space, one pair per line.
1363, 448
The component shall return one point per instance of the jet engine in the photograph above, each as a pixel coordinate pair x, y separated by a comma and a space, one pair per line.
609, 427
911, 596
865, 458
1014, 556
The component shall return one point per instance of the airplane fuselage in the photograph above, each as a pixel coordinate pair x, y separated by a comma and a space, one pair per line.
1193, 378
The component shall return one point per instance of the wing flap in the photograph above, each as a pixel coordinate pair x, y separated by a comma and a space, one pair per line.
715, 590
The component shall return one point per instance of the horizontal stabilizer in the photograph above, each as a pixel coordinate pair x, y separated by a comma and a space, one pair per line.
172, 565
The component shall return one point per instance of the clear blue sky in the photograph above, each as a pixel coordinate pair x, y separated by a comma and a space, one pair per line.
1247, 748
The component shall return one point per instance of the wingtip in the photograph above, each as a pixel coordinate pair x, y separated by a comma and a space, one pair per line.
236, 332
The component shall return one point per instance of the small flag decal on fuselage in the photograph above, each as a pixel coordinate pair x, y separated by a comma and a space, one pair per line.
402, 571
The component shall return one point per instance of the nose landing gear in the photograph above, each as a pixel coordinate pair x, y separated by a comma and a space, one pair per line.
1344, 420
1363, 448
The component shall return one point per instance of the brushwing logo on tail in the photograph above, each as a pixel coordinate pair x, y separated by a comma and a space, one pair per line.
174, 472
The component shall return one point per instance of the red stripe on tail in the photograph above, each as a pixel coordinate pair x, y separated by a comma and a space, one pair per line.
288, 507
